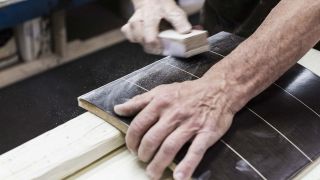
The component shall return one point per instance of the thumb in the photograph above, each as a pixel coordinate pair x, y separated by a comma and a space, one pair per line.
178, 19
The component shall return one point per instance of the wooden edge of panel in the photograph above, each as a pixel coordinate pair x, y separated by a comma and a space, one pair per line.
105, 116
109, 119
311, 61
310, 172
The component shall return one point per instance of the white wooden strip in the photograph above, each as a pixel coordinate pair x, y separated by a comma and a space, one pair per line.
61, 151
310, 173
117, 165
311, 61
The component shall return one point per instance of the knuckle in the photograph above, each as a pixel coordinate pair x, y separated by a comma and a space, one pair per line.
169, 148
177, 14
135, 127
197, 124
217, 131
199, 151
180, 113
164, 100
150, 140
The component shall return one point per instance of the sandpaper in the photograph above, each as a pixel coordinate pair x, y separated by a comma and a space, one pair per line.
275, 136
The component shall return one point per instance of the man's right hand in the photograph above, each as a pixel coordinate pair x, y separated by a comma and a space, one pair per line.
143, 26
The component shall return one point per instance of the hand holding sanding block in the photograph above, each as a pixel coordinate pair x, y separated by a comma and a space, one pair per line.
183, 45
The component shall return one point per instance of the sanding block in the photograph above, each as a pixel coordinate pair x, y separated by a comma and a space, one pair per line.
183, 45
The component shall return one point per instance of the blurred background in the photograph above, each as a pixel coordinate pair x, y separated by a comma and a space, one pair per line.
52, 51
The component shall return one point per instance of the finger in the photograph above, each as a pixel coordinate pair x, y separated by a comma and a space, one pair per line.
140, 124
152, 140
196, 151
137, 31
127, 32
167, 152
153, 48
179, 20
134, 105
136, 27
151, 30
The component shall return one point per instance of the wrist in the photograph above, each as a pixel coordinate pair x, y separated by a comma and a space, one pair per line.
234, 92
234, 74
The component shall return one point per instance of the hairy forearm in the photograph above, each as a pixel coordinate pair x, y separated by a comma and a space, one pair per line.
290, 30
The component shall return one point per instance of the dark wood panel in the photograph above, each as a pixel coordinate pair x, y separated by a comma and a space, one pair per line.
290, 117
263, 147
301, 78
221, 163
158, 73
252, 148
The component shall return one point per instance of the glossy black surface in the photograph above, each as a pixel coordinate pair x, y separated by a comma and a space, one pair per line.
276, 134
303, 84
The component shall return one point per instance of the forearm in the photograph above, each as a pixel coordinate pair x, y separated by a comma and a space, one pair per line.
290, 30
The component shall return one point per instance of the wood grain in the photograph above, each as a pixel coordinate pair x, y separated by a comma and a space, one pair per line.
61, 151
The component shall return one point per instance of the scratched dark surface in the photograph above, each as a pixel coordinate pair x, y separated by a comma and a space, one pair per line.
273, 137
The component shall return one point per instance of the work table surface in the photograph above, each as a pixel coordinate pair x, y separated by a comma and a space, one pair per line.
41, 103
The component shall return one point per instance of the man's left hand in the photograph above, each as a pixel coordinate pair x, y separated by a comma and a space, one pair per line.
171, 115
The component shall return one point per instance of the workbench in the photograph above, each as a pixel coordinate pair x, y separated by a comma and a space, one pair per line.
44, 102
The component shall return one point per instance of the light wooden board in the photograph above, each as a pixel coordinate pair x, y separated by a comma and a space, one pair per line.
61, 151
311, 61
310, 173
120, 164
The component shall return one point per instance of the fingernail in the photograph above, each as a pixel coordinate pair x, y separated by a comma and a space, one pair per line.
150, 176
178, 176
117, 110
132, 152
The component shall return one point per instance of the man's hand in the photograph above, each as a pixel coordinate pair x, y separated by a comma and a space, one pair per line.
143, 26
171, 115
